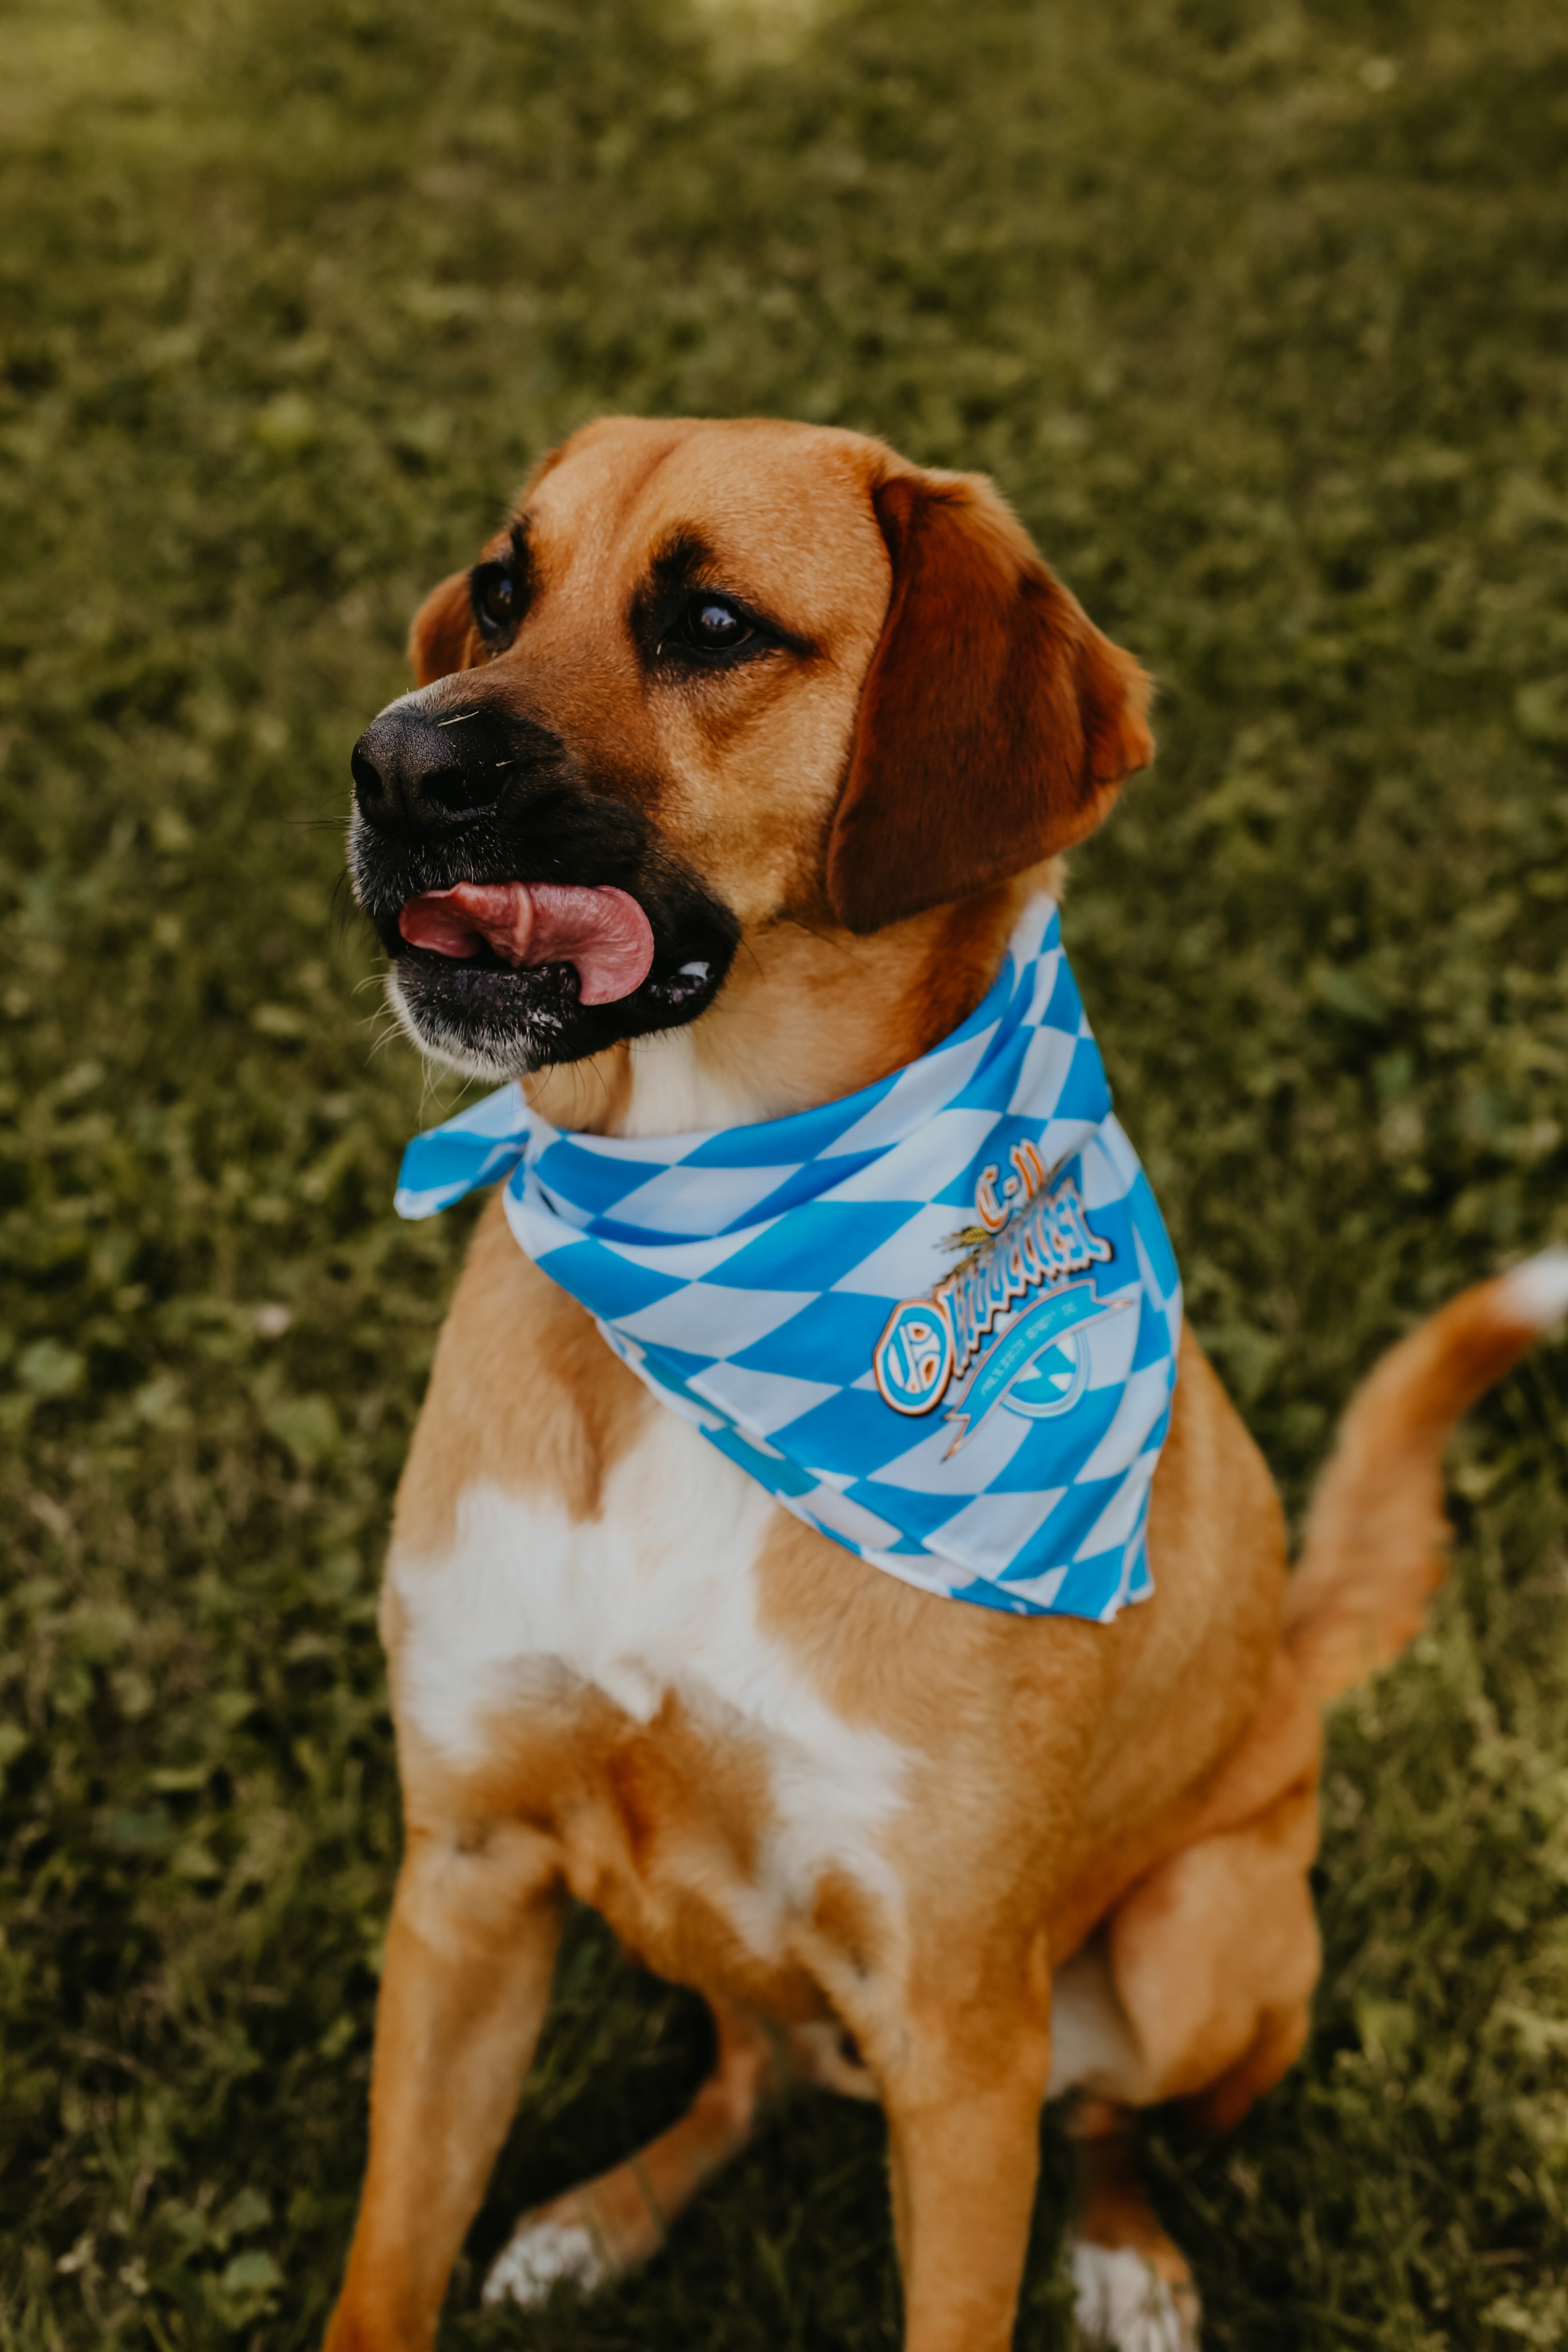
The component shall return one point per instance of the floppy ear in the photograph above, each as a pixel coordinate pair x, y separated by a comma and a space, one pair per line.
439, 638
996, 723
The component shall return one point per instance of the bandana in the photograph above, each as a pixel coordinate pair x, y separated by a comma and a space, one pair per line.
938, 1319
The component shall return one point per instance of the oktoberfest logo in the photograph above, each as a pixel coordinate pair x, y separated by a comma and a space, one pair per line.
914, 1359
983, 1334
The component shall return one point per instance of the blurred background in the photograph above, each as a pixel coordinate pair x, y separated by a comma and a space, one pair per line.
1260, 313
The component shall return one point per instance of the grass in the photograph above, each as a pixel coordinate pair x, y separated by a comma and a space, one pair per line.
1259, 313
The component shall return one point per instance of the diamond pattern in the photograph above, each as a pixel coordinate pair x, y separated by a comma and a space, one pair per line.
747, 1276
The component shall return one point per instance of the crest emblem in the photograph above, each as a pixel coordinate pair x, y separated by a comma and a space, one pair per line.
1050, 1382
912, 1363
1040, 1366
1006, 1328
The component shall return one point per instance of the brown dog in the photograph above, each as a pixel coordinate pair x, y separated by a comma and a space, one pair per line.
816, 719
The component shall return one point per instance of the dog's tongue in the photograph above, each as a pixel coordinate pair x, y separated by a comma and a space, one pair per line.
603, 933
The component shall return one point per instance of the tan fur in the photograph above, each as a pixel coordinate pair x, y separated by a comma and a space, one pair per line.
1141, 1795
623, 2217
1373, 1555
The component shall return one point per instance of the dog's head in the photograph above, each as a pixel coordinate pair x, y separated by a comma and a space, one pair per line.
711, 679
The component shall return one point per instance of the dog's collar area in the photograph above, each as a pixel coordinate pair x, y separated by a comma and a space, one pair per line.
938, 1319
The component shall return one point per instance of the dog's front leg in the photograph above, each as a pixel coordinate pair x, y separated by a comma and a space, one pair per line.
963, 2109
469, 1957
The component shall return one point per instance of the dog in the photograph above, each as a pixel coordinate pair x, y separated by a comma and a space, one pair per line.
730, 769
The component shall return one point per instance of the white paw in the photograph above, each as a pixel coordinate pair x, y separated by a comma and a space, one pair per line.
823, 2054
1121, 2304
541, 2256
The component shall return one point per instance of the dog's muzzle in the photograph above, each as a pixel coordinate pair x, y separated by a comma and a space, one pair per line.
465, 808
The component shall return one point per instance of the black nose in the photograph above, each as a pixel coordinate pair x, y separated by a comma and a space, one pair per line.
424, 772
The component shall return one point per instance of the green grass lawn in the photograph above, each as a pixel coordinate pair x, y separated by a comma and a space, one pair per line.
1259, 313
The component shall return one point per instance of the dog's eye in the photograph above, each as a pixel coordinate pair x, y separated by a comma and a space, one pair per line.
710, 624
495, 600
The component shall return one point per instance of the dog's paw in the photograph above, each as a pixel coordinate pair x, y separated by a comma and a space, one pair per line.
1121, 2304
542, 2254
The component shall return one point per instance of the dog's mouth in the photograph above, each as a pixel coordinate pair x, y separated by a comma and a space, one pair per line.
601, 933
496, 978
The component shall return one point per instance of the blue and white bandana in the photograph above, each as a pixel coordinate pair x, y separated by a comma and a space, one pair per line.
938, 1319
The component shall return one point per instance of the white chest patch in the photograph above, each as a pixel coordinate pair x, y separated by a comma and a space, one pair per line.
657, 1594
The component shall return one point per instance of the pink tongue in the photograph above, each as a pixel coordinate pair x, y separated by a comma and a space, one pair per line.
603, 933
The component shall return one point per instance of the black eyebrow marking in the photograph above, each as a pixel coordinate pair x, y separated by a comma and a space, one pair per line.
515, 557
679, 561
518, 563
683, 565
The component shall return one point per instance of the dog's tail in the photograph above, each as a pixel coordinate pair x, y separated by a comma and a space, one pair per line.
1373, 1554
